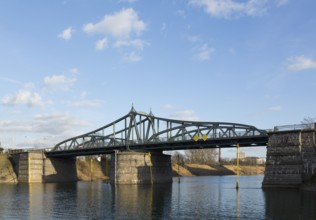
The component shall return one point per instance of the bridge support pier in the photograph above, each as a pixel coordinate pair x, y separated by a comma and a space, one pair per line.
35, 167
140, 168
291, 158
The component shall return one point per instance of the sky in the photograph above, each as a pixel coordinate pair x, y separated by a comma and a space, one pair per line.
68, 67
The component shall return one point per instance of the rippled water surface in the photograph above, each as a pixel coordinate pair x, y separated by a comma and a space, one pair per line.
213, 197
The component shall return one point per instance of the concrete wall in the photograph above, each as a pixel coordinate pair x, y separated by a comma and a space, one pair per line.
291, 158
140, 168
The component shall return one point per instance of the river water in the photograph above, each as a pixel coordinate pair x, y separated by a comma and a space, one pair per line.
212, 197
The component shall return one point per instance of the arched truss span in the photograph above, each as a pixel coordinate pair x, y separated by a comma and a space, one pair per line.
138, 130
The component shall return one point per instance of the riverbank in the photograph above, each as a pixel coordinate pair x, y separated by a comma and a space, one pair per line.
215, 170
85, 172
7, 174
90, 170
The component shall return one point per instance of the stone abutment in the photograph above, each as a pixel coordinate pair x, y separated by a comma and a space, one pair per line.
291, 158
140, 168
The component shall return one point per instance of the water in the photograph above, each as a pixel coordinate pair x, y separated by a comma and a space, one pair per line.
213, 197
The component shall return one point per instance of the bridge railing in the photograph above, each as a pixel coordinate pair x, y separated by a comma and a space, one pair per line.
295, 127
120, 142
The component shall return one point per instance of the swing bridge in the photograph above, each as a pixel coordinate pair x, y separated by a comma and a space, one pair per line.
139, 131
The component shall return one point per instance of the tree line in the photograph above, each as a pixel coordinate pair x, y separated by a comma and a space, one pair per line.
200, 156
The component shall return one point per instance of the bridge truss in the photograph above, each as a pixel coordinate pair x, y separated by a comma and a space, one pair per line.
139, 131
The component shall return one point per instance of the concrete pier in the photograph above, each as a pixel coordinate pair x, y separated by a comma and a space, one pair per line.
140, 168
291, 158
60, 170
35, 167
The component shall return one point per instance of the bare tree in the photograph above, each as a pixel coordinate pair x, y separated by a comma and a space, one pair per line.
201, 156
309, 122
178, 158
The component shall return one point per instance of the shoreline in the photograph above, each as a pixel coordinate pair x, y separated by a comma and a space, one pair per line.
214, 170
99, 171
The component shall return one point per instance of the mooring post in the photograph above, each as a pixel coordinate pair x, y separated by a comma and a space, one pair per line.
219, 156
91, 169
151, 170
179, 168
237, 167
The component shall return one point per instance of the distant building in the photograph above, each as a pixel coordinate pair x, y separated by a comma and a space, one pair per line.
254, 160
242, 155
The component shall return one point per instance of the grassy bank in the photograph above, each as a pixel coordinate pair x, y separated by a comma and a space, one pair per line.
215, 170
7, 174
88, 170
84, 170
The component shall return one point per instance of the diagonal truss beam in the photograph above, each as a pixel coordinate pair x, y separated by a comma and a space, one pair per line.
139, 128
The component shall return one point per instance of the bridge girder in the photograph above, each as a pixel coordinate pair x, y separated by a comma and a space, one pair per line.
139, 130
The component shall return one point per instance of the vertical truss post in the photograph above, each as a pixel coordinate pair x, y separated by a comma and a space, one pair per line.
114, 134
167, 131
126, 141
144, 137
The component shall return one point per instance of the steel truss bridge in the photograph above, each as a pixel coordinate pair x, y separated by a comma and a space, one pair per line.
139, 131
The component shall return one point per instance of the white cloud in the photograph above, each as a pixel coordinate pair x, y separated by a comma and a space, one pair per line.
101, 44
193, 38
205, 52
58, 124
66, 34
24, 97
74, 70
137, 43
119, 25
168, 106
86, 103
187, 115
181, 13
132, 57
10, 80
280, 3
276, 108
300, 63
231, 8
60, 81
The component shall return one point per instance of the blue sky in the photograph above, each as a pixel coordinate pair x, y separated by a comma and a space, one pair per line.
68, 66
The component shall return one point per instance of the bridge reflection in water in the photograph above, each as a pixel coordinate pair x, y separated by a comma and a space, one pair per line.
290, 204
211, 197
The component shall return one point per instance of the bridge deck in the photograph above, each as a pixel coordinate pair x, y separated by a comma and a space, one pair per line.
166, 146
